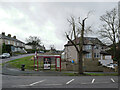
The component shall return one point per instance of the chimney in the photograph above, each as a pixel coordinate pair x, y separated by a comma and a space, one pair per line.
9, 35
3, 33
14, 37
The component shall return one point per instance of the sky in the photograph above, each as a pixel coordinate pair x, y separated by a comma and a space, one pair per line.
48, 20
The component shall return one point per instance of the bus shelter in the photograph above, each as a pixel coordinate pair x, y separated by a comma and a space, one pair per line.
47, 61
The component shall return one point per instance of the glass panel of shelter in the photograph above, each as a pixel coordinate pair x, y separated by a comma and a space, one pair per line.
41, 63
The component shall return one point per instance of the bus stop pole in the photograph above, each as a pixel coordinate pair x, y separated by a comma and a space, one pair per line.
34, 63
60, 64
55, 64
37, 64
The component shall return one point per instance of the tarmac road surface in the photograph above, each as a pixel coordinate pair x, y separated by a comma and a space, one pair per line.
59, 81
15, 57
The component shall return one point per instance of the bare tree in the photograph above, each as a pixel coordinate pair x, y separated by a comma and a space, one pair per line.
78, 30
109, 29
118, 56
34, 41
52, 47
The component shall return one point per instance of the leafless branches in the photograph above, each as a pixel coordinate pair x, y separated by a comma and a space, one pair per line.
110, 27
77, 32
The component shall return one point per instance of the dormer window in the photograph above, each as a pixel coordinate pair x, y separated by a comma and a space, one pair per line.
87, 47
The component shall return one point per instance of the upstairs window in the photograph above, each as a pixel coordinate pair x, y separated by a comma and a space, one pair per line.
8, 42
17, 44
88, 47
14, 43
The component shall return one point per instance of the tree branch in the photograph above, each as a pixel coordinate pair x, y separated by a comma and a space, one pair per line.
75, 45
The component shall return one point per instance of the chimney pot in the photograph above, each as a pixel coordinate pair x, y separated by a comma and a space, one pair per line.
9, 35
14, 37
3, 33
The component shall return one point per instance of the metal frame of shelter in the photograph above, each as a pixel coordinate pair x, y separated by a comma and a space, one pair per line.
48, 56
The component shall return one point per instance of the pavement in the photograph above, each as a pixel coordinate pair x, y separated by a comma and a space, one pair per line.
18, 72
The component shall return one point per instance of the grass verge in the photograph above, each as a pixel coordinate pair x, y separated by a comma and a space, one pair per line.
25, 60
102, 74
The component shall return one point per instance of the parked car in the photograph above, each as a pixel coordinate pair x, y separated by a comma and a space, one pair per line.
40, 51
111, 65
5, 55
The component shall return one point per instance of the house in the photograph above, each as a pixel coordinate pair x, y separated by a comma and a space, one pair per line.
29, 46
94, 53
91, 47
13, 43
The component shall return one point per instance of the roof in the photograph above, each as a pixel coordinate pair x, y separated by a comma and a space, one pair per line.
87, 40
9, 38
105, 53
31, 44
48, 55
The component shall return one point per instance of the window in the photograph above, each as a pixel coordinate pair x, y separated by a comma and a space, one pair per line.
102, 48
14, 43
88, 55
17, 44
96, 47
8, 42
96, 55
87, 47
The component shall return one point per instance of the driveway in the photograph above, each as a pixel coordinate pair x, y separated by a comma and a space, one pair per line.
15, 57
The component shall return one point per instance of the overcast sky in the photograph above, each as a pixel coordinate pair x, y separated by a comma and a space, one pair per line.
48, 20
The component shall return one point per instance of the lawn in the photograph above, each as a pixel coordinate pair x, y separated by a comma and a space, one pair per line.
25, 60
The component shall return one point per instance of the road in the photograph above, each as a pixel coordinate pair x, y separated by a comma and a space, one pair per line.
59, 81
15, 57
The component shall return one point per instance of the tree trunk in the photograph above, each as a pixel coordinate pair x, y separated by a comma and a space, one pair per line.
114, 50
92, 52
119, 59
80, 53
80, 62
